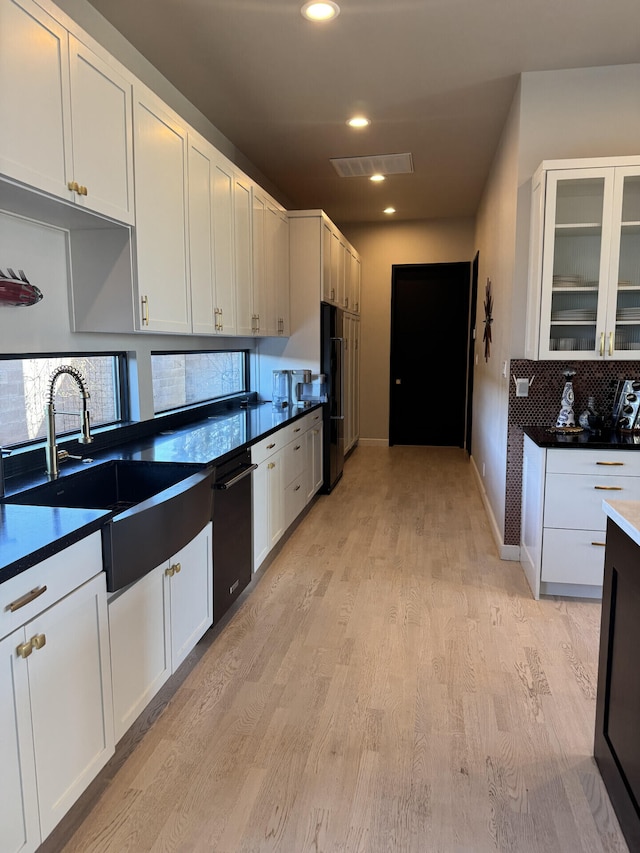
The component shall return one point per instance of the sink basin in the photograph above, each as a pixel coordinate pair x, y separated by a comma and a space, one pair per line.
117, 485
157, 508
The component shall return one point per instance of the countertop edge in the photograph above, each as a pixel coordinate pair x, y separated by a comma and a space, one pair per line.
626, 514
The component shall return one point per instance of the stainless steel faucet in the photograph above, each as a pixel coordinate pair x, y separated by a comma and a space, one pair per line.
55, 456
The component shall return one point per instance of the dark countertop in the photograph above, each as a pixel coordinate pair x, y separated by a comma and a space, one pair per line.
30, 534
585, 440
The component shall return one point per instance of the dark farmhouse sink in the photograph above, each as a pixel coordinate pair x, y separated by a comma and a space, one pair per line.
157, 509
116, 485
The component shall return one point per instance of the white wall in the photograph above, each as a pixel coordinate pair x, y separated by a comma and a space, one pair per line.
41, 251
495, 241
381, 246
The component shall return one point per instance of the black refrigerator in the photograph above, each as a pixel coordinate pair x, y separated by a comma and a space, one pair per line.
332, 365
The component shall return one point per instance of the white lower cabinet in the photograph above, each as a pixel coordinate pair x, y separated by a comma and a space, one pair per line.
154, 623
563, 523
56, 727
288, 475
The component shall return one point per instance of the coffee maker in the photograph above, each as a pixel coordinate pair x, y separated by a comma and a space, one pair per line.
307, 388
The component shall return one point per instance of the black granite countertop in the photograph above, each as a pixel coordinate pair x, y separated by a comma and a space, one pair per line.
585, 440
30, 534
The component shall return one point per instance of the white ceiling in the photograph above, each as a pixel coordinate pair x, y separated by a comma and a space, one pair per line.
436, 77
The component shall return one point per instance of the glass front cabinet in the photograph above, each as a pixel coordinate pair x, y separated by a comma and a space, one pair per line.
584, 265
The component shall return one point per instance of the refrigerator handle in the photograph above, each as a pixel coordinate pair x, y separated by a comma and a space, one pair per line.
340, 371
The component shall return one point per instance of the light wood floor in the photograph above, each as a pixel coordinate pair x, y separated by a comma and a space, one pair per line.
388, 685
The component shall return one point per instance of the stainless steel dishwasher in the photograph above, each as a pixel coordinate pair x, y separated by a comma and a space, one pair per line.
232, 531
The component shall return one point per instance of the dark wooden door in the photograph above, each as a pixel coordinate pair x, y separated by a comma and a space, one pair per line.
429, 350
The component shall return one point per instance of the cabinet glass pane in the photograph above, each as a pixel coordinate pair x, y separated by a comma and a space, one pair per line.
628, 300
576, 264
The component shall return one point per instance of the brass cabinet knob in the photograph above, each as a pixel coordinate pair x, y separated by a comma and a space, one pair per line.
170, 572
38, 641
24, 649
177, 567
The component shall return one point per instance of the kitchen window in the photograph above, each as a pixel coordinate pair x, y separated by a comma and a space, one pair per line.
24, 388
188, 378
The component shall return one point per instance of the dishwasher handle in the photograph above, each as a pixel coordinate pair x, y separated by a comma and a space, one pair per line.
227, 484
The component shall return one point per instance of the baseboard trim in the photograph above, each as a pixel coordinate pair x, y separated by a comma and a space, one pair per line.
373, 442
505, 552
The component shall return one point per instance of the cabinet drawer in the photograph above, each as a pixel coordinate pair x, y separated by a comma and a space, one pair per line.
57, 576
570, 556
261, 450
294, 430
294, 459
575, 500
614, 463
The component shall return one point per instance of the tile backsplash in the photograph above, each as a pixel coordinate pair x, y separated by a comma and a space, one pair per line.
541, 407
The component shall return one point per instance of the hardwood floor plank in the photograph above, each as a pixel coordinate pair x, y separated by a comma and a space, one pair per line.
388, 684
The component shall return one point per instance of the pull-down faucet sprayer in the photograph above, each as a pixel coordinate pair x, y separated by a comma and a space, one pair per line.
55, 456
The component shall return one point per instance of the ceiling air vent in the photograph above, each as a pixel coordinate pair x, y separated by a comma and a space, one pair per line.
378, 164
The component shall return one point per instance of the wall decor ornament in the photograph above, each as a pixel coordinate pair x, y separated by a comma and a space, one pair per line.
488, 320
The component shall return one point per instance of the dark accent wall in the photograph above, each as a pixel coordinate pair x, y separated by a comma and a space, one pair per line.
541, 407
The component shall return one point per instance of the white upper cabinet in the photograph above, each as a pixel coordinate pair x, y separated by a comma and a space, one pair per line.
102, 135
224, 245
201, 252
161, 234
243, 256
35, 144
584, 273
66, 114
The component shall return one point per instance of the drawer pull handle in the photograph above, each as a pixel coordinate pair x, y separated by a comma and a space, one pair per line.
609, 463
27, 598
270, 446
602, 544
297, 429
609, 488
39, 641
297, 447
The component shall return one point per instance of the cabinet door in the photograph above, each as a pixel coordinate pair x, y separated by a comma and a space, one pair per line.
260, 513
259, 307
224, 247
201, 253
575, 268
101, 134
34, 98
70, 684
282, 275
18, 795
328, 286
313, 438
355, 284
191, 595
273, 323
161, 217
243, 256
623, 308
275, 469
139, 621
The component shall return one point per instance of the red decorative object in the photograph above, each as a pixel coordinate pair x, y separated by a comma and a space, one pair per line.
17, 289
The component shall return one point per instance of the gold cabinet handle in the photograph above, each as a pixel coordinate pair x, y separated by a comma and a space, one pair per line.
38, 641
610, 343
609, 463
27, 598
297, 488
83, 190
602, 544
269, 446
601, 343
177, 567
271, 465
297, 429
145, 310
24, 649
170, 572
297, 447
73, 187
609, 488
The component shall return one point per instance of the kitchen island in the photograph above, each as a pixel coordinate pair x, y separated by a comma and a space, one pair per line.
617, 736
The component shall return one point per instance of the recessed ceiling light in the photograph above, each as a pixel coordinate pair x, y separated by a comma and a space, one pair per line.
376, 178
389, 210
320, 10
359, 121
